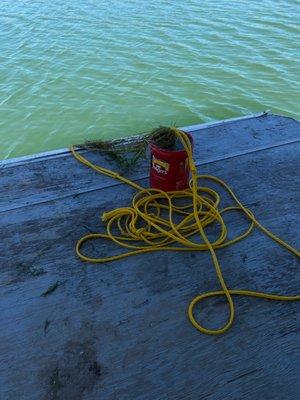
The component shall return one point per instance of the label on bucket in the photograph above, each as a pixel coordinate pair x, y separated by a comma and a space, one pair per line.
160, 166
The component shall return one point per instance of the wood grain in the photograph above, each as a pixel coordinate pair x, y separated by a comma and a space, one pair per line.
44, 180
120, 330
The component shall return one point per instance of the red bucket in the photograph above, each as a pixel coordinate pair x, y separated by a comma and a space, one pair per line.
169, 169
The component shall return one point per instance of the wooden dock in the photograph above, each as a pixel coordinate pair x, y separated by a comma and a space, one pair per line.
119, 331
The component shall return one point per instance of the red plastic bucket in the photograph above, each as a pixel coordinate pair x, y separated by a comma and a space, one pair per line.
169, 169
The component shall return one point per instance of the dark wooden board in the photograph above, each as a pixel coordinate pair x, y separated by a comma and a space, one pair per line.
120, 330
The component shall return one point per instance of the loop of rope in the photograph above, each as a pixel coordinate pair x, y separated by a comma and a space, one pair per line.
143, 228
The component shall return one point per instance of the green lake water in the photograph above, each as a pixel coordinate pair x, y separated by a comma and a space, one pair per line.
82, 69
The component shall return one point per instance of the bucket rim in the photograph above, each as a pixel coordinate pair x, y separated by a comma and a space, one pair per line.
178, 152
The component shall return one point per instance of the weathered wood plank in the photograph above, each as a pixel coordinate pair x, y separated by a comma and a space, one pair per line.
47, 179
120, 331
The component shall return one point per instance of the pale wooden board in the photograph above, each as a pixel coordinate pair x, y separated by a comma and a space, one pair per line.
119, 330
42, 180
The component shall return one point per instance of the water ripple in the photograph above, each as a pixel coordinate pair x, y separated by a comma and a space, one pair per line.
72, 71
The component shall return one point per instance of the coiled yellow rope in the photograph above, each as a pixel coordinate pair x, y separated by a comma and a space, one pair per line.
142, 228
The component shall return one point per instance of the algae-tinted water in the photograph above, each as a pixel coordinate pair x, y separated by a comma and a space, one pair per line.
77, 70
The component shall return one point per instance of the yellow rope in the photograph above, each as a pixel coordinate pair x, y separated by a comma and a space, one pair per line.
142, 228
